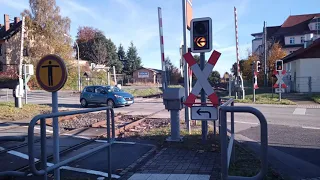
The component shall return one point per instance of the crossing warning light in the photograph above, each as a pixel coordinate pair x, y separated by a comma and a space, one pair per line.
279, 65
201, 35
259, 68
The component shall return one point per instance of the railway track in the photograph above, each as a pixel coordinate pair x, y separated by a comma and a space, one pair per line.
119, 131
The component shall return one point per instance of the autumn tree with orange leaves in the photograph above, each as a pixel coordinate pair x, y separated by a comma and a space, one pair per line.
275, 53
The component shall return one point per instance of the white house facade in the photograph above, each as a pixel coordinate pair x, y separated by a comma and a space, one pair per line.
303, 68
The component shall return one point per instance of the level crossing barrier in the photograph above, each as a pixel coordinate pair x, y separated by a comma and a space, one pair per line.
227, 149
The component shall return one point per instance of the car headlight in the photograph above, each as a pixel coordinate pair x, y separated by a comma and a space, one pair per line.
117, 96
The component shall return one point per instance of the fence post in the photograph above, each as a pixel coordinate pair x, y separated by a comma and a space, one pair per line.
310, 85
223, 144
233, 154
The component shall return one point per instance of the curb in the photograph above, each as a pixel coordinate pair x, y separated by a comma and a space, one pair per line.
311, 106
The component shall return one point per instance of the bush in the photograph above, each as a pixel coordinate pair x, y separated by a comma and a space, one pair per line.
9, 74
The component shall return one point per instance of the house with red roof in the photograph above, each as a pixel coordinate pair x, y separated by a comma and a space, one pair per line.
291, 35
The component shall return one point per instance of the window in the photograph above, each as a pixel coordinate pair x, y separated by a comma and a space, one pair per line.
99, 89
291, 52
317, 25
302, 39
291, 40
89, 89
0, 49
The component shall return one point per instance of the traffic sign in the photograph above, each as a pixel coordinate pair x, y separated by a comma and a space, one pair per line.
51, 73
202, 78
279, 90
279, 75
204, 113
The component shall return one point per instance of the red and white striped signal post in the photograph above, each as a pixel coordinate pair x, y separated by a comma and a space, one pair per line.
202, 78
255, 85
279, 85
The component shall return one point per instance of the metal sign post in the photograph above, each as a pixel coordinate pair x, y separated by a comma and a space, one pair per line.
51, 76
280, 90
279, 85
253, 82
25, 84
204, 124
27, 73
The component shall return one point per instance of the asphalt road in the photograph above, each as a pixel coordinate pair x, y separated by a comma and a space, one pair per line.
293, 138
293, 132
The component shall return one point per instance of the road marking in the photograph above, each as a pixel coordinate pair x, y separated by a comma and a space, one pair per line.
300, 111
49, 131
88, 171
308, 127
139, 176
243, 122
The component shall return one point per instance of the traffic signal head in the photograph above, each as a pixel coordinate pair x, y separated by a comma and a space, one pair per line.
259, 68
279, 65
201, 35
234, 69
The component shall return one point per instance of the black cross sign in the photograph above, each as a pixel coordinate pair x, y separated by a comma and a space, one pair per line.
50, 74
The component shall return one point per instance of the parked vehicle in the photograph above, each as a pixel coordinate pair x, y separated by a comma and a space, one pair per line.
109, 95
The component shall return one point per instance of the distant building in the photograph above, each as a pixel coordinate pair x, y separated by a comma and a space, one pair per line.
225, 78
291, 35
303, 68
10, 43
147, 75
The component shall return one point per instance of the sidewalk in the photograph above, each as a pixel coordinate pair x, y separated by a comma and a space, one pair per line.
175, 163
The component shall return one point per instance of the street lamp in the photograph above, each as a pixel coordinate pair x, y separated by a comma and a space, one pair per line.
79, 82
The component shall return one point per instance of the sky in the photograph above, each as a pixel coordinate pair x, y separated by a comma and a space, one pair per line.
137, 20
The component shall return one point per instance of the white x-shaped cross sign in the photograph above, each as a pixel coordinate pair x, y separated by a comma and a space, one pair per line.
202, 78
280, 79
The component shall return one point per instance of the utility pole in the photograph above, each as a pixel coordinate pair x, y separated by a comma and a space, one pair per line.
18, 99
114, 75
265, 53
185, 75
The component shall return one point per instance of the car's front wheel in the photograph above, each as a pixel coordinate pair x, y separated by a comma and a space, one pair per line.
84, 103
110, 103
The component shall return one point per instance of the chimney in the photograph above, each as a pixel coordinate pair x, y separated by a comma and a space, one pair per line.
6, 22
16, 20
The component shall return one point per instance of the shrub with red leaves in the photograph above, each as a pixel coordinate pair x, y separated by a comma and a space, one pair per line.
10, 73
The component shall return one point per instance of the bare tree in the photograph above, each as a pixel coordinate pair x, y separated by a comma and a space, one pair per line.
98, 53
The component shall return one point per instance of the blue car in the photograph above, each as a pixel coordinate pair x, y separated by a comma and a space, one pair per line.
109, 95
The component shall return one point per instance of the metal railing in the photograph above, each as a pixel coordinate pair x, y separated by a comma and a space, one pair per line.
227, 149
44, 167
